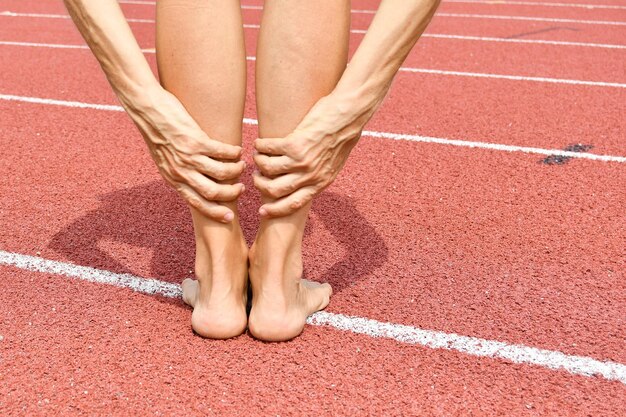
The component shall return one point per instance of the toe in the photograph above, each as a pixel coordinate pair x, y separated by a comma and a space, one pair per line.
319, 296
190, 291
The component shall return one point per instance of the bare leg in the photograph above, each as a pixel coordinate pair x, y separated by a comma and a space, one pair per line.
201, 59
302, 52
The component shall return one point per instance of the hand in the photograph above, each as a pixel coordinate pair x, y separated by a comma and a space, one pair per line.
293, 169
190, 161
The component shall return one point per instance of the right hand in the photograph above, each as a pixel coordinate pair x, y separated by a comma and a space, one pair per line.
201, 169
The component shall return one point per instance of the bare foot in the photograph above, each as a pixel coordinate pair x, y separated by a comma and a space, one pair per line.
219, 295
281, 300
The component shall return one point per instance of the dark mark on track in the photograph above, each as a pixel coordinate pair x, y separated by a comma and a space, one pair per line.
560, 159
536, 32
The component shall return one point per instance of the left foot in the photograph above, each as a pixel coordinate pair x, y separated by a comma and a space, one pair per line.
219, 295
282, 300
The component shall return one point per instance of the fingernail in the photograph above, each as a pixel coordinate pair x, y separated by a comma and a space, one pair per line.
229, 217
243, 188
262, 212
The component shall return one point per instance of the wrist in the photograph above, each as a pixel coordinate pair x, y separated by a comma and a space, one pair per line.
140, 98
357, 98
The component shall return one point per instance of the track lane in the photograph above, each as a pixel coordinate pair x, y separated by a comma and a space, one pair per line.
471, 242
62, 31
491, 8
533, 60
554, 285
91, 350
510, 9
522, 29
531, 114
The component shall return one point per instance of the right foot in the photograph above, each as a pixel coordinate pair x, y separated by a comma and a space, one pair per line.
281, 300
219, 295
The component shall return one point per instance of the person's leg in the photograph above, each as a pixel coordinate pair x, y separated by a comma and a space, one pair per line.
302, 52
201, 59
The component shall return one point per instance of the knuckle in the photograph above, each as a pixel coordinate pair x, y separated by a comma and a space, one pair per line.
272, 170
219, 173
209, 193
263, 162
299, 164
272, 190
193, 200
266, 171
284, 166
296, 204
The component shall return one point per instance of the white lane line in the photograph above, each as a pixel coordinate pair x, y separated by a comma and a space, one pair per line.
530, 41
494, 146
550, 359
61, 16
402, 69
367, 133
138, 284
456, 15
61, 46
530, 3
44, 45
513, 77
531, 18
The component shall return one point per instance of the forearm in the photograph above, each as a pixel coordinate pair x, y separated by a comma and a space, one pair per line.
104, 28
395, 29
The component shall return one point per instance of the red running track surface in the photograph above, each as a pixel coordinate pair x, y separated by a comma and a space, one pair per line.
490, 244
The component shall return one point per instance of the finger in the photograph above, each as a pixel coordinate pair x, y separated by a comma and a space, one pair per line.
210, 209
288, 205
210, 189
218, 170
217, 149
272, 146
280, 186
274, 165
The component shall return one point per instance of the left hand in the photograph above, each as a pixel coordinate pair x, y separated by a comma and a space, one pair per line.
293, 169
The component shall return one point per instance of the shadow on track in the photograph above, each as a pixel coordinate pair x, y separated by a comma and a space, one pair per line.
152, 216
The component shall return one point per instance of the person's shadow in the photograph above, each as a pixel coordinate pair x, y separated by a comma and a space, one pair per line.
153, 216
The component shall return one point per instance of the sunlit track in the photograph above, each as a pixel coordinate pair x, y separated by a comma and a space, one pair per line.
549, 80
576, 365
452, 15
61, 16
366, 133
485, 2
475, 271
425, 35
520, 3
531, 19
512, 40
513, 77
